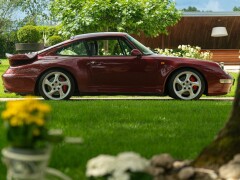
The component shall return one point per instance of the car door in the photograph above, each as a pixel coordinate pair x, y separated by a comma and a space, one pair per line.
112, 68
74, 58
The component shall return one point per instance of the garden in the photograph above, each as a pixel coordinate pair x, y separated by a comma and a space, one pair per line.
147, 127
141, 128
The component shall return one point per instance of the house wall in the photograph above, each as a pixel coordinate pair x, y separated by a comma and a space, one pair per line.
196, 29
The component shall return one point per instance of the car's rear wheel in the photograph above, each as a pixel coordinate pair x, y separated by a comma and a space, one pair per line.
56, 85
186, 84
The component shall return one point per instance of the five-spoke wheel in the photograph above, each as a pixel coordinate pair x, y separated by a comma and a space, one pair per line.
56, 85
186, 84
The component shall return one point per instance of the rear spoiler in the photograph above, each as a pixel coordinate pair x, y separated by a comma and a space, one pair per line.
20, 59
21, 56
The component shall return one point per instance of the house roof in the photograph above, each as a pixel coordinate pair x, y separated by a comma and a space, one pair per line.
211, 14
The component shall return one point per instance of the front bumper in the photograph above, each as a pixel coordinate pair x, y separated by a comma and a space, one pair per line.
222, 87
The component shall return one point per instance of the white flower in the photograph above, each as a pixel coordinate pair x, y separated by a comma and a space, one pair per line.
100, 166
184, 47
166, 50
118, 167
130, 161
186, 51
198, 48
119, 175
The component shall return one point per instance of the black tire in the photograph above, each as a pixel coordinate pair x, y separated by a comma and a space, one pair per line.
186, 84
56, 84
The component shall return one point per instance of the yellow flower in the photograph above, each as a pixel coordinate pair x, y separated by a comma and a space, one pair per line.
25, 121
26, 112
39, 121
15, 122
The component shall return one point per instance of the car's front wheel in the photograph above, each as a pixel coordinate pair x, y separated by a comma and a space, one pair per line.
56, 85
186, 84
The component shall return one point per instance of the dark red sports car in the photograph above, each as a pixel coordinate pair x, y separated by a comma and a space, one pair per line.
111, 63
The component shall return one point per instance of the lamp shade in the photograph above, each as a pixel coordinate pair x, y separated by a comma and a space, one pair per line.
219, 32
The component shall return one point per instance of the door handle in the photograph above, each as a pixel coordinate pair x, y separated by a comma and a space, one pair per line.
91, 63
94, 63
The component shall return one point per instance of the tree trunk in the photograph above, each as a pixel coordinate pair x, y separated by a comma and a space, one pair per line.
227, 142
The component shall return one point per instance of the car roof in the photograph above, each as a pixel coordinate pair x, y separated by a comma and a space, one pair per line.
98, 34
84, 36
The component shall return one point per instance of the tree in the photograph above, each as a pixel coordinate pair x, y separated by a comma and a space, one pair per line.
6, 11
7, 8
190, 9
7, 26
226, 144
35, 10
149, 16
236, 8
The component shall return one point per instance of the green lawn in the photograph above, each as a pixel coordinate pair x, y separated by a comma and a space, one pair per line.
181, 128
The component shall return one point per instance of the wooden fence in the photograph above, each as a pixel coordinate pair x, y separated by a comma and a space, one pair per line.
228, 56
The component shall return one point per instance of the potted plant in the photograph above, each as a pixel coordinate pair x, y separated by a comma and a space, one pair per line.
29, 138
28, 37
52, 40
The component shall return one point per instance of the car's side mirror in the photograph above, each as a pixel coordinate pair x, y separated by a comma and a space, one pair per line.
136, 52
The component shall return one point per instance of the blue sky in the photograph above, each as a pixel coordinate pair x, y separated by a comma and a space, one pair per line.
202, 5
205, 5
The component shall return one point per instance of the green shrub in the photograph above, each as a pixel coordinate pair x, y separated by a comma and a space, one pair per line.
42, 29
53, 30
54, 40
7, 43
28, 34
47, 31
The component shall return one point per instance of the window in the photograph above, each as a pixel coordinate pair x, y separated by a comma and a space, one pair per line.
109, 47
126, 48
140, 46
75, 49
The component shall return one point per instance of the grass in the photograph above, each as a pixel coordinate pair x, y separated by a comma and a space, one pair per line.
234, 87
148, 127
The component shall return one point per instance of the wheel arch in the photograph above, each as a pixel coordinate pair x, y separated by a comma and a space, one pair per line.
179, 69
36, 91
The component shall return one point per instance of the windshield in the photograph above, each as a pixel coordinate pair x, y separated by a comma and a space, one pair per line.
141, 47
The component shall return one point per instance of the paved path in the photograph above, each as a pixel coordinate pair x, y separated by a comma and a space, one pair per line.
152, 98
233, 68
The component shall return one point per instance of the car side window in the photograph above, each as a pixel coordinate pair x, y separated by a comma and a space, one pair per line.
126, 47
74, 49
108, 47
